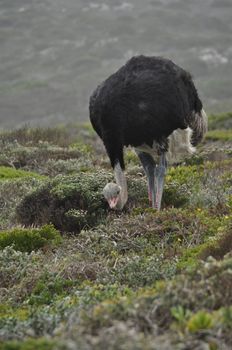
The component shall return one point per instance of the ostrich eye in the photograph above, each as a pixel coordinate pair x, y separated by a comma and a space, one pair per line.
118, 191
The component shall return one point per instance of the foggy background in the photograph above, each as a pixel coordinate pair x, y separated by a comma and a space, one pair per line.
53, 53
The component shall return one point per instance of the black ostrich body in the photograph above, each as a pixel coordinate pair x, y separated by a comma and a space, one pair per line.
141, 105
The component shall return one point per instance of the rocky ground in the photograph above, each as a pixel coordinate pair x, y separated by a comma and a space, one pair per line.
75, 275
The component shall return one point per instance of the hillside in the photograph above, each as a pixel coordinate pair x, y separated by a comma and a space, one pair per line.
55, 52
75, 275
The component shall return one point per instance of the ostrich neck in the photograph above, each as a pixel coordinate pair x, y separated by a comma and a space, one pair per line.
121, 181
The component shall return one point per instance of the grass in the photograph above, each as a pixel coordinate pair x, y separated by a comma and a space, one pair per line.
77, 275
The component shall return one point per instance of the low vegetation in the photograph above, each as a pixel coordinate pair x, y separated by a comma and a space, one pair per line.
75, 275
7, 173
221, 135
27, 240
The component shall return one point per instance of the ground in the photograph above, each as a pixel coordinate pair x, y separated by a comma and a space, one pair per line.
75, 275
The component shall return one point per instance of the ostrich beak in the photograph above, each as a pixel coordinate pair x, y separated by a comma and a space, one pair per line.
113, 202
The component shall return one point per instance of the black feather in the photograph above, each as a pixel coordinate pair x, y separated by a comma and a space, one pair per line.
144, 101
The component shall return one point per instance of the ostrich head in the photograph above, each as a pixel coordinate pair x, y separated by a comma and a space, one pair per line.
116, 193
112, 194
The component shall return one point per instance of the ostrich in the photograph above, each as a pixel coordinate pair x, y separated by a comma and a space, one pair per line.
151, 104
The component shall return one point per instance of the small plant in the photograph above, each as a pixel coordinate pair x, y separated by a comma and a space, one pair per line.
181, 316
47, 288
131, 157
202, 320
27, 240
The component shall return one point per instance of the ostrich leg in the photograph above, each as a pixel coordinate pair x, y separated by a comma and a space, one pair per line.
149, 167
160, 172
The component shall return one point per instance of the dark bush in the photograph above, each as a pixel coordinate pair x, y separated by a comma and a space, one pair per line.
70, 202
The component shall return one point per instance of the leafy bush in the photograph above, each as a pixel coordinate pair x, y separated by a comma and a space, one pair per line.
200, 321
158, 305
216, 243
176, 195
13, 265
35, 157
32, 136
66, 166
7, 173
30, 344
62, 200
11, 193
181, 316
220, 121
222, 135
139, 271
220, 246
47, 288
27, 240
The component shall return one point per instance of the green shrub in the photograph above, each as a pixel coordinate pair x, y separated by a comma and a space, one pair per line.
63, 201
35, 157
221, 135
67, 166
176, 195
226, 316
181, 317
82, 147
202, 320
131, 157
8, 311
75, 201
141, 271
7, 173
14, 265
11, 193
220, 121
47, 288
27, 240
30, 344
220, 246
32, 136
217, 242
185, 174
